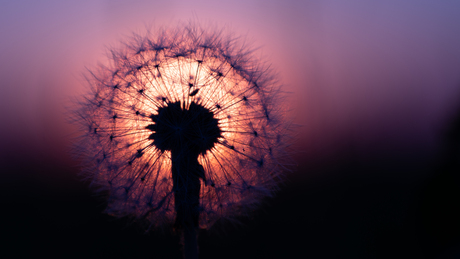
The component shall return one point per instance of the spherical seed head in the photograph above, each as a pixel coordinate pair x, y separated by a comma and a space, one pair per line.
194, 92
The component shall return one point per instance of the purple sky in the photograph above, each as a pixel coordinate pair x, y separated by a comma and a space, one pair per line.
360, 72
373, 84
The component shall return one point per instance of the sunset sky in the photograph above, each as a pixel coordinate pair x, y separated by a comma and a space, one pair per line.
372, 88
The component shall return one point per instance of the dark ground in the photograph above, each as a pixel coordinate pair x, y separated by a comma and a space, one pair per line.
339, 207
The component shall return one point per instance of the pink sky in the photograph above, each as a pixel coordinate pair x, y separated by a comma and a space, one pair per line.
385, 73
372, 84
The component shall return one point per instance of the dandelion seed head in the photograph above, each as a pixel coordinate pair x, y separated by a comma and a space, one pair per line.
190, 92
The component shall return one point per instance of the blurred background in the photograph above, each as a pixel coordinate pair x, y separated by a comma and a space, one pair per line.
374, 86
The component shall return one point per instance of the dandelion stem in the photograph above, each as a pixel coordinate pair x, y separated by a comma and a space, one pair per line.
190, 243
186, 173
164, 105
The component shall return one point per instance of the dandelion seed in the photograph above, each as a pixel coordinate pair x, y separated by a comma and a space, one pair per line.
179, 133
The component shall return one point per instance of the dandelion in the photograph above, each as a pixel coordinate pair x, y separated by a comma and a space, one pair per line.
182, 129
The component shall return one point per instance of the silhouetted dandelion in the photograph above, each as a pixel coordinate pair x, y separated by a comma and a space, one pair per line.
182, 128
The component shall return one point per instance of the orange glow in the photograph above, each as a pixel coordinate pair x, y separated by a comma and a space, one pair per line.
241, 168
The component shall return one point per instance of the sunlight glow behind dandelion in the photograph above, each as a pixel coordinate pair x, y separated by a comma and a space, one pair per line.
190, 93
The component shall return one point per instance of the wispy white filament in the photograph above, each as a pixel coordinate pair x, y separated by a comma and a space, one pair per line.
186, 65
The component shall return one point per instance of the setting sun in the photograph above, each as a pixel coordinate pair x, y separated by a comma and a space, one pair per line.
187, 93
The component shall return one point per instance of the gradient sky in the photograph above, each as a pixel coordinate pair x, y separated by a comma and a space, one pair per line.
355, 69
381, 76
